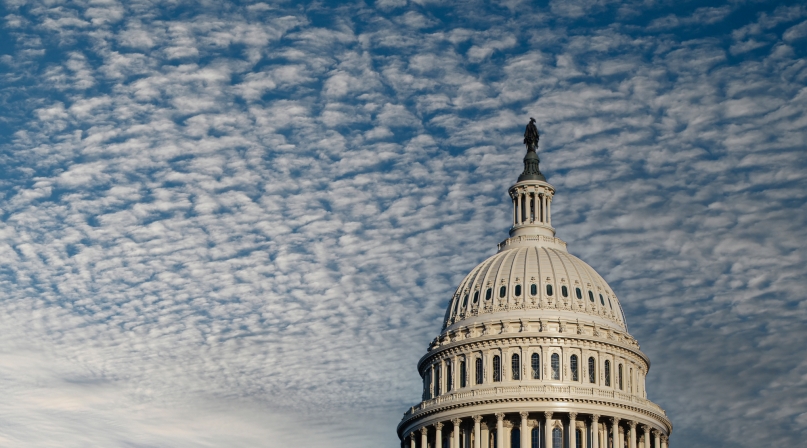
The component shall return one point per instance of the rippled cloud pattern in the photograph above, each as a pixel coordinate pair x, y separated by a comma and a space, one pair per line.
239, 223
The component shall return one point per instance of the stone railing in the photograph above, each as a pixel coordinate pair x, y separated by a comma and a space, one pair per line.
524, 238
547, 389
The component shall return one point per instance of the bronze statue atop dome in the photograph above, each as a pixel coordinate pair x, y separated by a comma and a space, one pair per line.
531, 135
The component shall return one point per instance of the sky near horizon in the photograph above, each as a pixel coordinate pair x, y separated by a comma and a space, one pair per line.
239, 223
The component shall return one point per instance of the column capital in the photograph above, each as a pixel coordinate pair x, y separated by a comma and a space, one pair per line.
645, 428
500, 416
614, 420
456, 421
424, 430
632, 424
595, 418
664, 438
412, 435
572, 415
477, 418
524, 414
438, 425
548, 415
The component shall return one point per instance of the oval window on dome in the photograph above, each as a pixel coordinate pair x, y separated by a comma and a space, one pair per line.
601, 300
488, 294
610, 305
564, 291
465, 301
549, 290
476, 296
591, 296
578, 293
502, 291
533, 289
518, 291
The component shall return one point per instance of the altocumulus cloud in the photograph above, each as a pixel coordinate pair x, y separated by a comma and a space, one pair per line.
238, 224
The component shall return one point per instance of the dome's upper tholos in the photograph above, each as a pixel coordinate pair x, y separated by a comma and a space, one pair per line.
534, 275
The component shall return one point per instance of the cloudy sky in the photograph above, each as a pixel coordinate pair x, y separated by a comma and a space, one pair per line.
239, 223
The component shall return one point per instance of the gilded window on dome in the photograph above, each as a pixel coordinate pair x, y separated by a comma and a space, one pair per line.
497, 368
549, 290
533, 289
592, 370
536, 366
578, 292
479, 371
555, 366
516, 365
564, 291
573, 366
518, 291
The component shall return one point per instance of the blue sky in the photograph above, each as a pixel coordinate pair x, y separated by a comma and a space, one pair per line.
238, 224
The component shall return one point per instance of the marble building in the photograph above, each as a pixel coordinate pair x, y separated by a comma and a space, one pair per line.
534, 351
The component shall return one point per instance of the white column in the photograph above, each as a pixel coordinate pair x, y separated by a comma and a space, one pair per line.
646, 432
547, 431
615, 431
664, 442
525, 436
456, 441
549, 211
438, 435
632, 434
424, 433
658, 438
595, 431
477, 431
499, 429
412, 442
572, 430
518, 207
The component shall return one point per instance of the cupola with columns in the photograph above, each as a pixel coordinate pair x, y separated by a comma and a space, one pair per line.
534, 350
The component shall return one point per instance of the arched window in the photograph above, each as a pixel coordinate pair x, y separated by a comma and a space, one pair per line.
488, 294
578, 293
533, 289
518, 291
555, 366
497, 368
549, 290
564, 291
479, 371
619, 372
516, 364
536, 366
591, 296
536, 438
602, 301
608, 373
463, 379
502, 291
426, 385
515, 438
557, 438
437, 380
476, 296
573, 365
592, 371
449, 377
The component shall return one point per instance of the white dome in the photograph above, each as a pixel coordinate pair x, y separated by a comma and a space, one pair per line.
519, 280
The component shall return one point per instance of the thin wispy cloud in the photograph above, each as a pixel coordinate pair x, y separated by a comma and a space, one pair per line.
240, 223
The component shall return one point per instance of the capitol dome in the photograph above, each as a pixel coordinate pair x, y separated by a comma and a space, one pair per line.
534, 351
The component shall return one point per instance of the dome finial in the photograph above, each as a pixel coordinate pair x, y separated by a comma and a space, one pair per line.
531, 161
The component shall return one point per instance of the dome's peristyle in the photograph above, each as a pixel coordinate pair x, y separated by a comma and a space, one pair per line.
534, 351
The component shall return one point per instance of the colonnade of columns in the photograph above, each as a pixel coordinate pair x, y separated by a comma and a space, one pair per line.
530, 207
497, 431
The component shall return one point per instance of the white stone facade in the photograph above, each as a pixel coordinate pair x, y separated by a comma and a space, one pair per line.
534, 353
